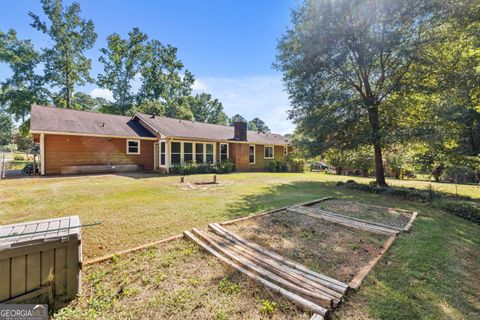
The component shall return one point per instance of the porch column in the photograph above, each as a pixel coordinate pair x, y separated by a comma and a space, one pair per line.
42, 154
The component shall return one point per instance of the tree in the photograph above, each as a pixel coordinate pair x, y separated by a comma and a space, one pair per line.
6, 127
25, 87
258, 125
165, 80
83, 101
206, 109
237, 118
341, 62
65, 63
122, 59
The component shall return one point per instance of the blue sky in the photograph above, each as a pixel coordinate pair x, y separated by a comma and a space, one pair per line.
228, 45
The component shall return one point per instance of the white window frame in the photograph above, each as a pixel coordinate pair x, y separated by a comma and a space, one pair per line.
254, 154
194, 150
138, 144
285, 151
273, 152
228, 151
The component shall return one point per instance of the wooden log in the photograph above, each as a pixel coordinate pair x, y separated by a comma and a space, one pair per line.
279, 267
358, 279
324, 280
409, 224
261, 271
287, 294
342, 221
281, 270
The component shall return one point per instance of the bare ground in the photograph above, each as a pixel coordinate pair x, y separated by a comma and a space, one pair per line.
174, 281
328, 248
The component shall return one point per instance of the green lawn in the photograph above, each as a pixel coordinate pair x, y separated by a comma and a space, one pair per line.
430, 273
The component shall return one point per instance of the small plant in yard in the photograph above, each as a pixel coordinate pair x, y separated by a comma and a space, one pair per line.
268, 307
229, 287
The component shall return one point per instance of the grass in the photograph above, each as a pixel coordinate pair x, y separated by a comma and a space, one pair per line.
430, 273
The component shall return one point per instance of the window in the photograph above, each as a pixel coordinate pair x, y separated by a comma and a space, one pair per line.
187, 152
133, 146
268, 152
162, 153
251, 154
223, 151
176, 153
209, 152
285, 151
199, 153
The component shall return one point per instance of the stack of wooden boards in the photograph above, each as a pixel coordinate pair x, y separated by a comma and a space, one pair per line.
309, 289
370, 226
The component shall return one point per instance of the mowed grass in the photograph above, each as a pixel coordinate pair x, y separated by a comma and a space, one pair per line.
430, 273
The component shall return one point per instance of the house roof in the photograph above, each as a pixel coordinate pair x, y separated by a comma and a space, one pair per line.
177, 128
53, 119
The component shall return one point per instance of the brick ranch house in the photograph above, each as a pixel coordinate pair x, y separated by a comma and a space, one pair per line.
74, 141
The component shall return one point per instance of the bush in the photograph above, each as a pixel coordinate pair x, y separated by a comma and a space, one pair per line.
465, 209
458, 174
275, 166
461, 206
187, 168
18, 157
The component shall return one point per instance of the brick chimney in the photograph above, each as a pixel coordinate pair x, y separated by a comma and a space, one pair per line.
240, 131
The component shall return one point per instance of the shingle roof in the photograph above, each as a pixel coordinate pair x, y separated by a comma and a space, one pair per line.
86, 122
206, 131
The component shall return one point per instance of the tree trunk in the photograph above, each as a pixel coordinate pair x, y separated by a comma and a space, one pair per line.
338, 170
375, 126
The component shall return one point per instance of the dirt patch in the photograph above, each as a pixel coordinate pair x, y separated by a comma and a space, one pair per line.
328, 248
388, 216
174, 281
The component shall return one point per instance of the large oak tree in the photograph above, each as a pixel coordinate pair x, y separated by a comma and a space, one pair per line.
341, 62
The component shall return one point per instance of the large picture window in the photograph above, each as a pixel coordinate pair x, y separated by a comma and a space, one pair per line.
209, 152
133, 146
251, 154
176, 153
268, 152
187, 152
199, 153
223, 151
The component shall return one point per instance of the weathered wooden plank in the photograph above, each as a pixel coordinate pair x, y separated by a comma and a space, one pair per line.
60, 271
357, 281
33, 271
324, 280
4, 279
409, 224
261, 271
287, 294
48, 267
18, 276
342, 221
279, 267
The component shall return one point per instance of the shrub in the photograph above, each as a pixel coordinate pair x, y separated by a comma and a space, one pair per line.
458, 174
465, 209
18, 157
461, 206
187, 168
274, 166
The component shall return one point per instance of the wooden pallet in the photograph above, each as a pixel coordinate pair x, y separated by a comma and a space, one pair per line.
309, 289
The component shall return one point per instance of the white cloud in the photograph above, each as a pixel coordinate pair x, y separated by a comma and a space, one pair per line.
256, 96
199, 86
102, 93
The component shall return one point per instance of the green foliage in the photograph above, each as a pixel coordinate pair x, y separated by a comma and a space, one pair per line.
228, 287
341, 61
65, 63
461, 206
454, 173
187, 168
268, 307
206, 109
18, 157
257, 124
6, 129
122, 59
237, 118
83, 101
25, 87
